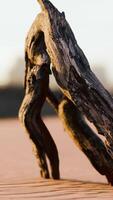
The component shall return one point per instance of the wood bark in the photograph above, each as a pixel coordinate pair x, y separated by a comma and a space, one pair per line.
36, 88
51, 40
82, 135
73, 74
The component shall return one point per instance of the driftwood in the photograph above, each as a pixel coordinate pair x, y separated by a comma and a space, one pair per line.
51, 41
36, 88
83, 136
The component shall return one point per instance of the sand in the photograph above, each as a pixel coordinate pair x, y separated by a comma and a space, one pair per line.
19, 172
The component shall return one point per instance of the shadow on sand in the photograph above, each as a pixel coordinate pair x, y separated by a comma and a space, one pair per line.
55, 190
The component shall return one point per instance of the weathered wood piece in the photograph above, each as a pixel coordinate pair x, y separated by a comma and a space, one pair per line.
36, 88
82, 135
73, 74
51, 40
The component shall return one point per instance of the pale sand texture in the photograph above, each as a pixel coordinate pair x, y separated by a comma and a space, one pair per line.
19, 172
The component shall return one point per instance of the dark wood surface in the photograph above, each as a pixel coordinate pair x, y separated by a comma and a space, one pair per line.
51, 42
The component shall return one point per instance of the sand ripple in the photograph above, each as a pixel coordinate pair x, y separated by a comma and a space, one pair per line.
55, 190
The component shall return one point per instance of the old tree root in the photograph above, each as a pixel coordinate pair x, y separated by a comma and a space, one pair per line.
51, 41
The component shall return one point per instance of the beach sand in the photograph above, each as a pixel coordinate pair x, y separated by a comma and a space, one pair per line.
19, 172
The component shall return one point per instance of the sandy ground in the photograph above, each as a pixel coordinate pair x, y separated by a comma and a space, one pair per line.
19, 172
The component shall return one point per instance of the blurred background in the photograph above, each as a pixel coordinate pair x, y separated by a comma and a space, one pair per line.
92, 24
